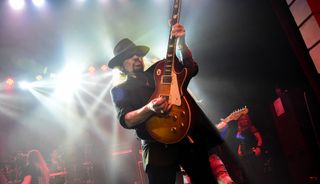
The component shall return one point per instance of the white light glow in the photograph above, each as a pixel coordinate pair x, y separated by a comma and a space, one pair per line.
17, 4
68, 81
104, 1
81, 1
39, 77
117, 78
53, 75
38, 3
24, 85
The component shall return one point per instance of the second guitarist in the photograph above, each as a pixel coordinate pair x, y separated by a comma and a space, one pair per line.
249, 146
134, 108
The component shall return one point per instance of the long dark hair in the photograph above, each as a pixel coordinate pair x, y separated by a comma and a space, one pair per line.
36, 160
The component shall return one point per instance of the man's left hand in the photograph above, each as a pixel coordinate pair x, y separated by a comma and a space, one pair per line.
178, 30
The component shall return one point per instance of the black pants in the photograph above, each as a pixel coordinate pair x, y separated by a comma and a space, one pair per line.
193, 158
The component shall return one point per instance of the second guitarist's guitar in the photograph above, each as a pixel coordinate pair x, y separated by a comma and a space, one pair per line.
233, 116
170, 83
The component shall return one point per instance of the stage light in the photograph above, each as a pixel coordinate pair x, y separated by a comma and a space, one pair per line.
17, 4
104, 68
39, 77
38, 3
53, 75
103, 1
91, 69
24, 85
10, 82
68, 81
81, 1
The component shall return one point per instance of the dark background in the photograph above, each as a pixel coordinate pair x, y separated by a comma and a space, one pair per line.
242, 51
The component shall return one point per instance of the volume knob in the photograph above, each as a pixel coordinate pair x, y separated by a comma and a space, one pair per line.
175, 117
173, 129
183, 113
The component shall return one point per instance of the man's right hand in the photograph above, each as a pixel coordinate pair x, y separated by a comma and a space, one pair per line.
159, 105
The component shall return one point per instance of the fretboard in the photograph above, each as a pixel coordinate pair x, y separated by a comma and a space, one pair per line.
171, 44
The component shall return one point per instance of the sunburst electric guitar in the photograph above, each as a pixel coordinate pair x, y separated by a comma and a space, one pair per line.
171, 83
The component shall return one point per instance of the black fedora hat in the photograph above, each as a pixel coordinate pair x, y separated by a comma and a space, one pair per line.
124, 50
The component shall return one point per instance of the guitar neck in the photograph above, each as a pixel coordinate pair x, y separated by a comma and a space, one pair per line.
167, 78
172, 40
235, 115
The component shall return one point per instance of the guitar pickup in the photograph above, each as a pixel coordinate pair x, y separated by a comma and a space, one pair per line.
164, 96
166, 79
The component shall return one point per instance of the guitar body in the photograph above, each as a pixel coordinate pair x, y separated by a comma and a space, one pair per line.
173, 126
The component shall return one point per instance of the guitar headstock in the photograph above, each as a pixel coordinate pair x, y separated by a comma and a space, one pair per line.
236, 114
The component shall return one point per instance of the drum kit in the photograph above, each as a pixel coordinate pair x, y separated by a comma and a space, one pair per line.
60, 173
63, 172
77, 174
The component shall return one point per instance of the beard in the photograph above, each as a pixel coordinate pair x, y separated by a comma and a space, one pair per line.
137, 68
